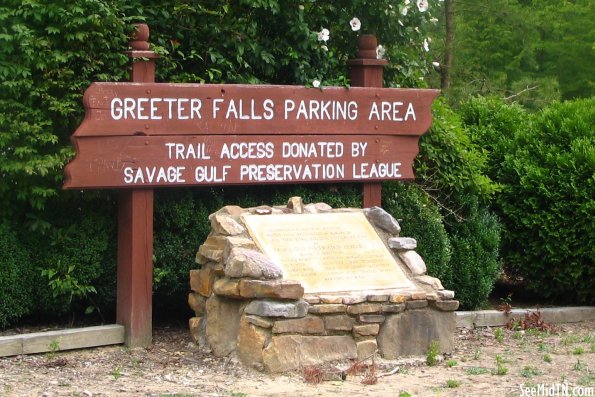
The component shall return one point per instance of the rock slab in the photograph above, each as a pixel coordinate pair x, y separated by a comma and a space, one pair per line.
291, 352
411, 332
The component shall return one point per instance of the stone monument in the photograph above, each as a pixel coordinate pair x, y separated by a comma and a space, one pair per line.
295, 285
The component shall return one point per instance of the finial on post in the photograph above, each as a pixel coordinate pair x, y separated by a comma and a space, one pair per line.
366, 46
140, 37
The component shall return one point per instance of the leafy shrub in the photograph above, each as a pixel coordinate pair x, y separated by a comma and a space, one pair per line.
548, 203
15, 271
451, 170
475, 263
77, 241
420, 218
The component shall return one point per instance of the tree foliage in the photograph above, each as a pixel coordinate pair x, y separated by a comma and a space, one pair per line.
533, 52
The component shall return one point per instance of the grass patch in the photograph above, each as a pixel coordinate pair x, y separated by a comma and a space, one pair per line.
452, 384
501, 369
451, 363
578, 351
499, 335
476, 371
547, 358
528, 372
432, 355
571, 339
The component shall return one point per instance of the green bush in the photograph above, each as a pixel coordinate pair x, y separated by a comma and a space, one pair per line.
451, 170
420, 218
15, 271
475, 262
77, 231
548, 203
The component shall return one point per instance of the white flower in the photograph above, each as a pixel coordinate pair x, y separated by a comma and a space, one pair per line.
407, 2
400, 22
434, 20
316, 83
422, 5
404, 11
324, 47
416, 29
324, 35
436, 64
355, 24
380, 51
426, 45
301, 7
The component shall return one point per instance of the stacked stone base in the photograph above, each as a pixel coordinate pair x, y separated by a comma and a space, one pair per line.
243, 306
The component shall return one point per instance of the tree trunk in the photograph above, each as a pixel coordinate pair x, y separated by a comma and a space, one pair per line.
448, 47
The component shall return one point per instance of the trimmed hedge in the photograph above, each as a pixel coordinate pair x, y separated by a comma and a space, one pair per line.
15, 285
549, 203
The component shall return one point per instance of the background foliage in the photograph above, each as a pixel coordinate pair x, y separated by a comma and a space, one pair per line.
478, 158
529, 51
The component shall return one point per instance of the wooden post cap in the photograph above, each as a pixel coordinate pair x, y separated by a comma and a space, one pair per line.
366, 46
140, 37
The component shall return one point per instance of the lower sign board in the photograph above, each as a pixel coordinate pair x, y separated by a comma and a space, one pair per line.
327, 252
152, 161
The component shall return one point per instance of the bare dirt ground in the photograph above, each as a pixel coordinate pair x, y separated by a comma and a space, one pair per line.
486, 362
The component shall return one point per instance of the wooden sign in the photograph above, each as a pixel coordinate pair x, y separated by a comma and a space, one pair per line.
214, 109
143, 161
149, 135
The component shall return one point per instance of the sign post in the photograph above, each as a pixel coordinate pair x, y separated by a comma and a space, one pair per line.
135, 229
368, 71
140, 135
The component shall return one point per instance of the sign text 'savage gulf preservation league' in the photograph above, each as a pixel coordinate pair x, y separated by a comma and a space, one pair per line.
150, 134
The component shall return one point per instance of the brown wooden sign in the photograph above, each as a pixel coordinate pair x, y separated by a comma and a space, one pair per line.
149, 134
212, 109
182, 160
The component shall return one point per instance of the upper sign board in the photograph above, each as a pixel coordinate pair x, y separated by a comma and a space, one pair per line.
208, 109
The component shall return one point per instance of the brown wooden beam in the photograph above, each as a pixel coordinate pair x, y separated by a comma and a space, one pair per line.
368, 71
135, 229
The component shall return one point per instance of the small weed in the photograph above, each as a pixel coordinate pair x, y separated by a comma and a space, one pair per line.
528, 372
476, 354
571, 339
578, 351
476, 371
116, 373
590, 338
432, 355
238, 394
404, 394
501, 369
404, 371
506, 304
587, 380
517, 335
135, 361
313, 375
499, 335
547, 358
537, 332
532, 320
451, 363
53, 349
578, 366
592, 347
452, 384
8, 388
542, 347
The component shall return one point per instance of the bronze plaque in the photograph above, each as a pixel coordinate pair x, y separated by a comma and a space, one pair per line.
332, 252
